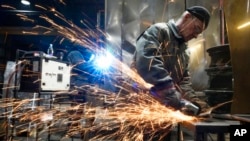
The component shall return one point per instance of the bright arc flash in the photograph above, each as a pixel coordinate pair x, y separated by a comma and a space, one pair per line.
103, 61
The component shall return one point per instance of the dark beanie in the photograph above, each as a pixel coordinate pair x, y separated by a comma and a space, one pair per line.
201, 13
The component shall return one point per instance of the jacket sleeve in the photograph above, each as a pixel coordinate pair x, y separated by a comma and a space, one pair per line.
186, 86
148, 59
189, 93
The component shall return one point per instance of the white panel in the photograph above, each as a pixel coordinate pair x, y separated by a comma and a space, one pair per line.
55, 76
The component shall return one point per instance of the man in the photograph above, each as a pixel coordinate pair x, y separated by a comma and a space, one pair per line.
80, 58
161, 58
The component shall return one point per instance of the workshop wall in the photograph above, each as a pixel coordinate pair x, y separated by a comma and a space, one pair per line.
237, 18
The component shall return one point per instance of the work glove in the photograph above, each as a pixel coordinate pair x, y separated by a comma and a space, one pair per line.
200, 103
168, 96
172, 98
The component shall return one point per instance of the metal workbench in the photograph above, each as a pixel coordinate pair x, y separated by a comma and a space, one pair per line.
202, 128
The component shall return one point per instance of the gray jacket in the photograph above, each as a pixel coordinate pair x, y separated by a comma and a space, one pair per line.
161, 58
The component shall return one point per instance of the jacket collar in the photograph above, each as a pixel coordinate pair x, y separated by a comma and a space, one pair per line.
174, 29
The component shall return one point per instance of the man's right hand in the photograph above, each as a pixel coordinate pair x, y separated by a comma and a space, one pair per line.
170, 97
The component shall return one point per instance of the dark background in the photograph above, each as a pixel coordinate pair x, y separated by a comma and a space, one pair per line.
12, 26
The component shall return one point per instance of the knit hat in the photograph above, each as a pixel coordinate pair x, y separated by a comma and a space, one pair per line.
201, 13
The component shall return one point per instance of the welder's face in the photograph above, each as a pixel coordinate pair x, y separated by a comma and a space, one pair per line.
192, 28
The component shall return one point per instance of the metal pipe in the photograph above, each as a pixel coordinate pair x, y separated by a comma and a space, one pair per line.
232, 117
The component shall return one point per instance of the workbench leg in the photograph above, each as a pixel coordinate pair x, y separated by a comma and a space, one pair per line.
220, 137
200, 136
178, 132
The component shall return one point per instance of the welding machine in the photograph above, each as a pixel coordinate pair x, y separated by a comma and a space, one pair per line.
40, 72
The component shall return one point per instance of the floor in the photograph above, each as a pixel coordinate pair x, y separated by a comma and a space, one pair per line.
186, 135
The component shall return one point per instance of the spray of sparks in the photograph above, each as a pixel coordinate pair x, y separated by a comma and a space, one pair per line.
125, 115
